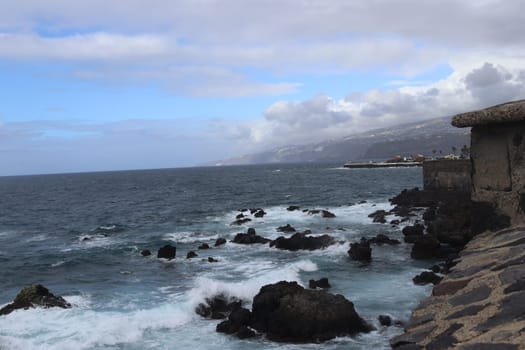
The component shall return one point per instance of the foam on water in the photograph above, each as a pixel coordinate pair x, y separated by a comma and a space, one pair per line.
81, 328
189, 237
246, 289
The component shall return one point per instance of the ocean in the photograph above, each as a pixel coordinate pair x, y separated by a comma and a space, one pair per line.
81, 235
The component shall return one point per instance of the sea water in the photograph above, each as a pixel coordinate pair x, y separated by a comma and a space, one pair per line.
81, 236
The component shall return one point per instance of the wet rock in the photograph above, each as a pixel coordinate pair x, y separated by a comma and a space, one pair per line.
426, 247
381, 239
385, 320
191, 254
212, 260
286, 229
258, 212
360, 251
239, 216
413, 233
218, 307
287, 312
241, 221
220, 241
237, 322
33, 296
395, 222
293, 208
426, 277
167, 252
145, 252
300, 241
379, 216
249, 238
320, 283
204, 246
322, 212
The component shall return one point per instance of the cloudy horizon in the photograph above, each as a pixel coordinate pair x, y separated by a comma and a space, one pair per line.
109, 85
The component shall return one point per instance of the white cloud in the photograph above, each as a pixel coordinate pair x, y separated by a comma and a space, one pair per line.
322, 117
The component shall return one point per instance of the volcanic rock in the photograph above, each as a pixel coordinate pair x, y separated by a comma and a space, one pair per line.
218, 307
287, 312
249, 238
32, 296
167, 252
300, 241
286, 228
320, 283
220, 241
360, 251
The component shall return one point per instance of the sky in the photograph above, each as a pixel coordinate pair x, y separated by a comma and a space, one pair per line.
92, 85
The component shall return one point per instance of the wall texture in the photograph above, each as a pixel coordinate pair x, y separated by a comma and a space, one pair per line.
498, 168
448, 175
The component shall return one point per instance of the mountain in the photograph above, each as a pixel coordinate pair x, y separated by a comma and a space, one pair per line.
425, 137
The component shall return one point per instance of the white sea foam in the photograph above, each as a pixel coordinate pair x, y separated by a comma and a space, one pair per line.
189, 237
246, 289
58, 263
80, 328
37, 238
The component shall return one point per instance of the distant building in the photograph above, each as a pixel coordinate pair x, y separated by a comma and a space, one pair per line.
498, 157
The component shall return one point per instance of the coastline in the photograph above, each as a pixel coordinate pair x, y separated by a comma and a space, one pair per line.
382, 165
480, 304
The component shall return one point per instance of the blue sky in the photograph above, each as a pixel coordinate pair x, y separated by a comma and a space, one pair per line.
98, 85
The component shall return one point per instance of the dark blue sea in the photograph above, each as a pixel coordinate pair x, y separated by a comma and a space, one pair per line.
81, 236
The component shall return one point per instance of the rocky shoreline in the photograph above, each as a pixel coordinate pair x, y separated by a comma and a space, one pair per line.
480, 304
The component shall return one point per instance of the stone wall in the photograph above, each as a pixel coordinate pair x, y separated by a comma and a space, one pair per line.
448, 175
498, 168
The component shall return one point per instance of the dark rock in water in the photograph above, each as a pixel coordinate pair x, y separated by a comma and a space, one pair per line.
395, 222
385, 320
293, 207
32, 296
286, 228
239, 216
245, 333
287, 312
145, 252
167, 252
241, 221
362, 202
379, 216
429, 214
191, 254
360, 251
300, 241
427, 277
212, 260
259, 213
249, 238
204, 246
220, 241
237, 323
426, 247
322, 212
218, 307
416, 230
381, 239
320, 283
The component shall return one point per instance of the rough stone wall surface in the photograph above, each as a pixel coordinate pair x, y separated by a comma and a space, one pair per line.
480, 304
449, 175
498, 168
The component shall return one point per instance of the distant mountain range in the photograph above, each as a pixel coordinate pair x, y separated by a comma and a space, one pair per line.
425, 137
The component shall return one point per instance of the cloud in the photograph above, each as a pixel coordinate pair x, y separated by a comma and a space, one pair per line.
322, 117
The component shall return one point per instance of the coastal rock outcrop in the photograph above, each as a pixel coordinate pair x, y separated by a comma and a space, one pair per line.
250, 237
167, 252
320, 283
286, 228
218, 307
286, 312
35, 296
300, 241
220, 241
361, 250
381, 239
322, 212
238, 323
